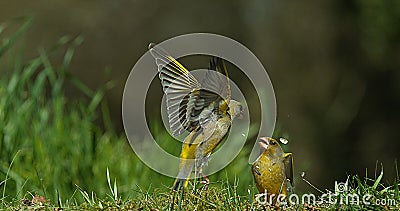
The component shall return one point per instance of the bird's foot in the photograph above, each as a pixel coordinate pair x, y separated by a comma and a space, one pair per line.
206, 182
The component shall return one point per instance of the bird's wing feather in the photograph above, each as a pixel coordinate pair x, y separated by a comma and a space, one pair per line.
186, 99
217, 81
181, 89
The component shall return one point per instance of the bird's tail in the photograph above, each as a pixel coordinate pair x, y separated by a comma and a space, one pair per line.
185, 168
179, 183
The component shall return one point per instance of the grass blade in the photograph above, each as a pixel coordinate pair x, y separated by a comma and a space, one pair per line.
9, 42
378, 180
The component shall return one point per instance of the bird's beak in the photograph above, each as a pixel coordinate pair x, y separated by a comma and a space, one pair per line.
264, 142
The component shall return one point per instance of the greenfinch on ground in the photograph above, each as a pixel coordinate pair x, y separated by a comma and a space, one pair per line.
205, 110
273, 170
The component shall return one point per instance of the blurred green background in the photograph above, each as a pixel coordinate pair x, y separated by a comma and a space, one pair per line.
335, 67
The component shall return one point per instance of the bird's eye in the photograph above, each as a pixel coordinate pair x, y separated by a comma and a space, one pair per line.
273, 142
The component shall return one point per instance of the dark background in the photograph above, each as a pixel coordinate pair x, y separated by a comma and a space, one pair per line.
335, 65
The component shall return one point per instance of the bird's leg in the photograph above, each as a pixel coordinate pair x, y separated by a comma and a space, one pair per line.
205, 181
200, 173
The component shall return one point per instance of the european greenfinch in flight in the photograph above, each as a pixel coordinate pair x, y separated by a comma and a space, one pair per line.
205, 110
273, 169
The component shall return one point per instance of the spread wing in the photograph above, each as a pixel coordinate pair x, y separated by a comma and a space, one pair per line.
188, 104
217, 81
181, 89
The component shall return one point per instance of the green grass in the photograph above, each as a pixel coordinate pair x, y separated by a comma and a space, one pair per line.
53, 155
49, 143
223, 196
